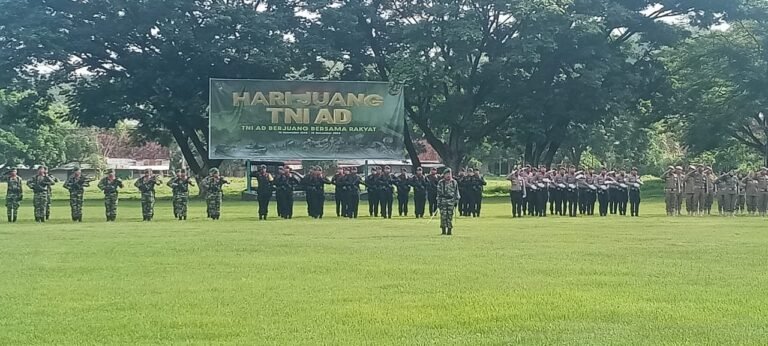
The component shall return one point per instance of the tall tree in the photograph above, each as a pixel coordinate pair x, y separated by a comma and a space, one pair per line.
147, 60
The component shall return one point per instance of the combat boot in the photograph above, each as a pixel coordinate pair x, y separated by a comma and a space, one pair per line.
443, 232
449, 231
185, 217
10, 218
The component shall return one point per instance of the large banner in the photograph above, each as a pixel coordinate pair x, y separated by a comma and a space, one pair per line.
305, 120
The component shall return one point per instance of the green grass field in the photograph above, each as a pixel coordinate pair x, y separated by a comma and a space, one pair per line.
652, 280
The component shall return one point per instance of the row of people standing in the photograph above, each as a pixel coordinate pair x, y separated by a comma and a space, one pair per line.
382, 186
566, 191
699, 188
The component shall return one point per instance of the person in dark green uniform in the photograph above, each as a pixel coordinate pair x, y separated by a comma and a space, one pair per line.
40, 185
146, 186
14, 194
76, 185
447, 198
110, 185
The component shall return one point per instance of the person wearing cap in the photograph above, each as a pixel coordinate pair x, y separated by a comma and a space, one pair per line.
447, 198
727, 193
762, 188
603, 182
213, 185
110, 185
432, 179
180, 186
672, 183
372, 189
517, 190
475, 188
385, 183
403, 184
170, 182
571, 193
338, 196
50, 193
752, 192
76, 184
634, 182
419, 183
39, 185
264, 190
343, 185
741, 199
146, 185
285, 184
13, 195
353, 182
314, 185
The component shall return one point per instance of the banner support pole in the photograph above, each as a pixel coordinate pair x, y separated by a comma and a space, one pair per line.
248, 175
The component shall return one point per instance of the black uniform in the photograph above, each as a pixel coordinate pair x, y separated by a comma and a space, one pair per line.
371, 185
403, 191
432, 181
571, 194
420, 185
351, 194
475, 186
385, 188
315, 189
338, 195
285, 185
264, 193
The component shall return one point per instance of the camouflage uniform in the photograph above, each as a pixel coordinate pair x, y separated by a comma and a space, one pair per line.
213, 184
13, 197
110, 187
50, 193
40, 185
76, 186
180, 187
447, 198
146, 186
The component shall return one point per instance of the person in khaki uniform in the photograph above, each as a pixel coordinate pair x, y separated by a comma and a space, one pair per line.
710, 190
741, 197
698, 181
752, 192
727, 194
762, 191
690, 191
672, 187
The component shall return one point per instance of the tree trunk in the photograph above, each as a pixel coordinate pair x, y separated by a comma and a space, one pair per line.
412, 153
528, 156
550, 154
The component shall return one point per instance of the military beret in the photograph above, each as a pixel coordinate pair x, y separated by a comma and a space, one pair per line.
42, 167
433, 169
148, 170
76, 169
110, 171
418, 168
447, 170
213, 170
177, 171
262, 166
678, 167
387, 167
182, 171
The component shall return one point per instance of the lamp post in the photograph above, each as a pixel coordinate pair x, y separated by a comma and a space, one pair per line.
765, 131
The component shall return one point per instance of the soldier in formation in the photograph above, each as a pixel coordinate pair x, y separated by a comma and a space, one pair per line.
338, 196
432, 179
213, 185
110, 185
285, 184
314, 186
76, 184
264, 191
146, 186
180, 187
371, 187
420, 186
448, 197
403, 184
517, 192
13, 195
50, 193
40, 185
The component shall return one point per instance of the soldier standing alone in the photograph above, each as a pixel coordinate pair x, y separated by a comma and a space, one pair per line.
110, 185
146, 186
40, 185
447, 198
76, 185
180, 186
14, 194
